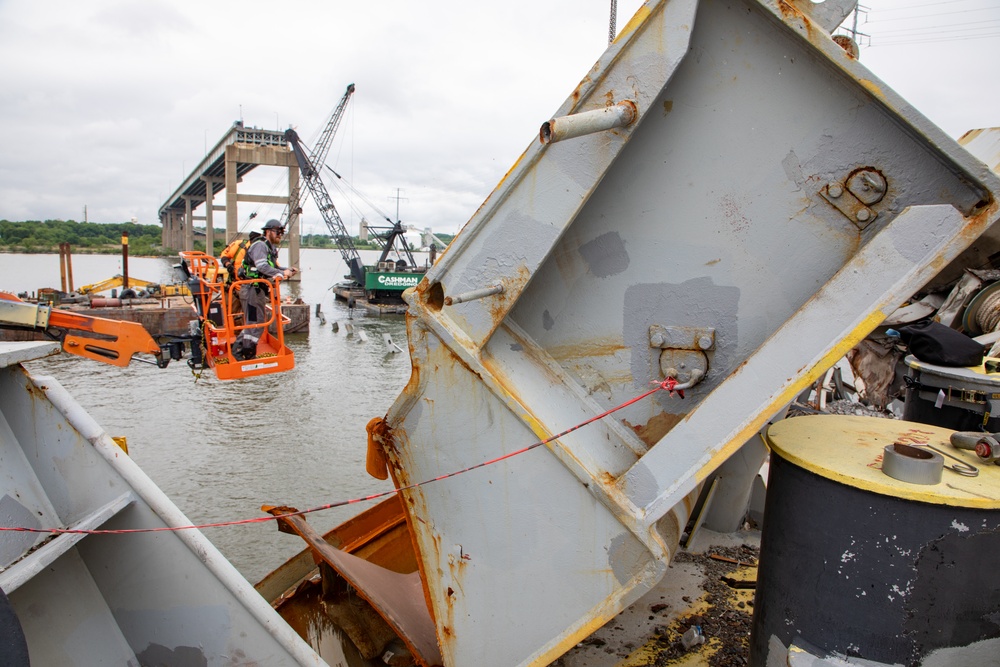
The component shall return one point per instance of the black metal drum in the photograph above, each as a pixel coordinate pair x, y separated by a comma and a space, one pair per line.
856, 563
962, 399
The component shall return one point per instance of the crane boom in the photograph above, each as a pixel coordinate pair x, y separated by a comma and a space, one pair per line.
310, 174
319, 152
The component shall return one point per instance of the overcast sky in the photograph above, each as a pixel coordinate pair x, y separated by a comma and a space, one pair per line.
108, 103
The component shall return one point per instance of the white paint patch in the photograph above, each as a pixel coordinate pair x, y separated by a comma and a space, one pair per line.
960, 527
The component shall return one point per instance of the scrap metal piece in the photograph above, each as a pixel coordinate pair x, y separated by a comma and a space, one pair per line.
705, 210
398, 598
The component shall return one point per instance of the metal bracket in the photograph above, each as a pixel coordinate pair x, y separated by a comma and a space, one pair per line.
845, 202
868, 185
682, 338
24, 314
682, 355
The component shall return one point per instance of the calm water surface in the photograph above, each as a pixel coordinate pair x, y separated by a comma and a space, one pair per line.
220, 450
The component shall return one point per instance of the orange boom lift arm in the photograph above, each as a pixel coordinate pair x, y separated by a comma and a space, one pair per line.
109, 341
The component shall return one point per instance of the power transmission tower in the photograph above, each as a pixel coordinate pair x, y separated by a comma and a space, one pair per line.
614, 16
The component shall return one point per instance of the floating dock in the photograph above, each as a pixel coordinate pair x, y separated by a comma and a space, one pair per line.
356, 296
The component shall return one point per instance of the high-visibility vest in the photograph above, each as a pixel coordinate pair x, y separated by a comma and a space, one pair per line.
248, 270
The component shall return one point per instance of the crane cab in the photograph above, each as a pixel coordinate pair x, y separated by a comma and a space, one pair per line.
220, 318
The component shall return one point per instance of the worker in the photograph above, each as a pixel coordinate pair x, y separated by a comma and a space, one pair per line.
260, 264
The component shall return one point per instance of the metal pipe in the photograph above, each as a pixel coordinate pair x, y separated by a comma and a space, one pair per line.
62, 266
473, 295
125, 260
588, 122
105, 302
69, 268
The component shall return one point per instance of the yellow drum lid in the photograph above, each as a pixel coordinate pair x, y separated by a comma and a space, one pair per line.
849, 449
979, 376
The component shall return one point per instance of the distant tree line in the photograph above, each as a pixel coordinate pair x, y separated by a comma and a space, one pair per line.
38, 236
326, 241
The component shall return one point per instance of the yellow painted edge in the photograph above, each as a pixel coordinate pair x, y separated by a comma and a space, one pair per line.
633, 24
873, 88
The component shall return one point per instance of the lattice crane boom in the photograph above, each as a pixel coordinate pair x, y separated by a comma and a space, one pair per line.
319, 152
309, 172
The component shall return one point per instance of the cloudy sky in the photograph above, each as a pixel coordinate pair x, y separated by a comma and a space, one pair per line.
107, 104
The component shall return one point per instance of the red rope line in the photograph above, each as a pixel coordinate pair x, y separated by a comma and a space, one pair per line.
666, 385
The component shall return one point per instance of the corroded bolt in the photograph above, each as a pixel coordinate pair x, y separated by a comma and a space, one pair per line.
834, 190
705, 342
863, 215
656, 340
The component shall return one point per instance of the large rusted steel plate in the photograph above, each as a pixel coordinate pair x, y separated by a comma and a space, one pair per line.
769, 205
136, 598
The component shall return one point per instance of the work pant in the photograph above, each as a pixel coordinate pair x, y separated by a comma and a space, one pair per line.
254, 300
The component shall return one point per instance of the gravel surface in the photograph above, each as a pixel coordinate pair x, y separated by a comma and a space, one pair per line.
726, 623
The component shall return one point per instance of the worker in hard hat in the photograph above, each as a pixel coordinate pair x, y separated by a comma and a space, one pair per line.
260, 264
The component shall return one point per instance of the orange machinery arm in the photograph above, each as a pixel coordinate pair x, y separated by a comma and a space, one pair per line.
115, 341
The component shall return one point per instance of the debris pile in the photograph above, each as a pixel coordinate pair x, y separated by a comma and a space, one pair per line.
721, 631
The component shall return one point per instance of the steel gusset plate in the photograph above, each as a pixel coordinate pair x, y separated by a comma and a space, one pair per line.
705, 211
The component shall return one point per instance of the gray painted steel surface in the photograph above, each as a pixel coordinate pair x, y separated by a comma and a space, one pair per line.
165, 598
769, 205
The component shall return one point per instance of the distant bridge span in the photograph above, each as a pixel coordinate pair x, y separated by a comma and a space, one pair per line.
239, 151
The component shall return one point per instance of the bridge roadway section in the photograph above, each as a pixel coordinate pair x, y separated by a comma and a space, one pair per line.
239, 151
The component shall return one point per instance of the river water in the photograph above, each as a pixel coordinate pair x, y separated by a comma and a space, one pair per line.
220, 450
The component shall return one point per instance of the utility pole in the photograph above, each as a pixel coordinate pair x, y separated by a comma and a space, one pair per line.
855, 36
398, 199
